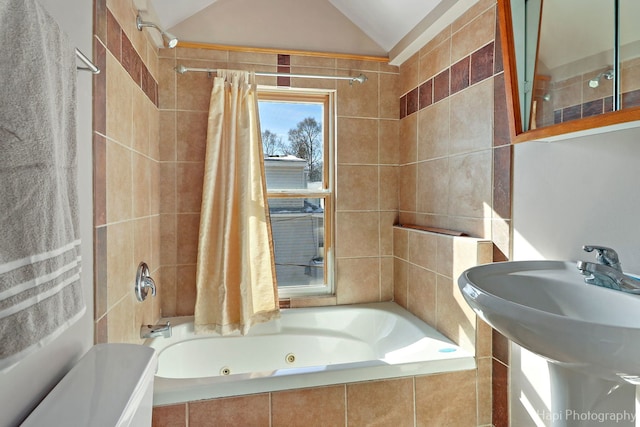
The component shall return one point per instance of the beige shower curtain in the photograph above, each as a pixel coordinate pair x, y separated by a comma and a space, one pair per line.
236, 281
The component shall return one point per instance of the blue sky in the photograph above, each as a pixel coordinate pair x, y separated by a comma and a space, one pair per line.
279, 117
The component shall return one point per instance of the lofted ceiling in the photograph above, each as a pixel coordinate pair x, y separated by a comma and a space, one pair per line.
361, 27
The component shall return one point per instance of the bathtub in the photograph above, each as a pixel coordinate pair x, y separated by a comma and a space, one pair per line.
306, 347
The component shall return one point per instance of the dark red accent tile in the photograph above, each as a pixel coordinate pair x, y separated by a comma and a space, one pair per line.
426, 94
571, 113
284, 59
498, 255
149, 85
460, 75
283, 80
284, 303
100, 272
608, 104
412, 101
592, 108
502, 181
500, 392
557, 116
100, 19
100, 88
501, 130
114, 36
441, 86
631, 99
482, 64
131, 61
498, 64
500, 347
403, 106
99, 180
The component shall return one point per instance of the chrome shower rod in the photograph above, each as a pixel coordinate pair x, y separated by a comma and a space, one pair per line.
181, 69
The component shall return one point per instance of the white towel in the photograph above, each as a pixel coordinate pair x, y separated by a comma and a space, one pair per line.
40, 288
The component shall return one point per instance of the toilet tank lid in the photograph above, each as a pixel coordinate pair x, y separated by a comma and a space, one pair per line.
103, 388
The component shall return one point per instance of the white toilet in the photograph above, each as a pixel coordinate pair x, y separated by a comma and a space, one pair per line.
112, 385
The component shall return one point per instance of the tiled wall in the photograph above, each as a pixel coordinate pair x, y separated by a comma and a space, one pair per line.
455, 173
126, 171
433, 400
366, 194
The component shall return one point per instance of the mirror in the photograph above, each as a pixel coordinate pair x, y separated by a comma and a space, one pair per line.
570, 65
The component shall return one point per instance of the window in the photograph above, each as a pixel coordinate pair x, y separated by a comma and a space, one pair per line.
297, 132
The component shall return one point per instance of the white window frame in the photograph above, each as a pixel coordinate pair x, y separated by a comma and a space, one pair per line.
327, 192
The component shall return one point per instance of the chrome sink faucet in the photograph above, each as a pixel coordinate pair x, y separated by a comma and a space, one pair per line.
607, 271
605, 255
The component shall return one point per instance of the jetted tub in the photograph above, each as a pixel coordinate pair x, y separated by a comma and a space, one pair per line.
306, 347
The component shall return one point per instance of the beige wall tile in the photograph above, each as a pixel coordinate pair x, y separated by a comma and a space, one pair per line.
484, 390
470, 185
357, 280
400, 287
357, 141
472, 118
408, 139
409, 74
140, 122
119, 183
433, 192
380, 403
388, 141
167, 133
168, 287
189, 181
119, 105
187, 229
388, 187
433, 132
389, 89
208, 54
233, 411
142, 241
120, 265
362, 100
170, 416
446, 399
421, 297
120, 325
473, 35
407, 179
423, 249
435, 60
322, 406
185, 289
354, 188
357, 234
386, 278
313, 61
141, 185
455, 318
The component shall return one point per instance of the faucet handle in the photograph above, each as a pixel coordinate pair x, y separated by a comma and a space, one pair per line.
604, 255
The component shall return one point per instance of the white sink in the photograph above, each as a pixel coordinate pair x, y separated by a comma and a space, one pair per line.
545, 307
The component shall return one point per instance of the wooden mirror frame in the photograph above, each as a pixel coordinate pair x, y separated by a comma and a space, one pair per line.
600, 123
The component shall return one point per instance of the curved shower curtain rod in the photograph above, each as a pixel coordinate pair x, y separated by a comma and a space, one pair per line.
181, 69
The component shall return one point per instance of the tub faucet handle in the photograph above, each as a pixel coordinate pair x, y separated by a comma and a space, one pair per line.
144, 282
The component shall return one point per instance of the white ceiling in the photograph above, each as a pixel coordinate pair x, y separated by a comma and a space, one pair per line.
364, 27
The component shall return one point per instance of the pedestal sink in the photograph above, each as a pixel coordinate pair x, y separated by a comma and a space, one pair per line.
589, 334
